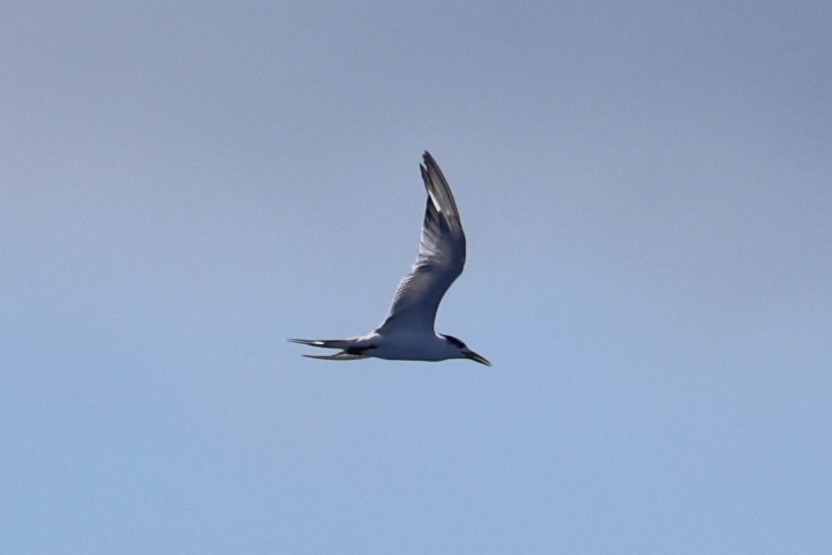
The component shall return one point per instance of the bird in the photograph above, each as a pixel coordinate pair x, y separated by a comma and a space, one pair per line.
408, 331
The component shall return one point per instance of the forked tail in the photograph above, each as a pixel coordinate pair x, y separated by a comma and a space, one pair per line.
325, 343
349, 351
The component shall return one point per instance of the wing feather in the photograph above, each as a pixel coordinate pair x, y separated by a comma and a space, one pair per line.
441, 257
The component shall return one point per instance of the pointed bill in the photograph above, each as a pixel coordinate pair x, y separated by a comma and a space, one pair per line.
476, 357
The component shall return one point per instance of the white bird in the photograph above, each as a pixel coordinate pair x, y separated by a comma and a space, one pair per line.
407, 333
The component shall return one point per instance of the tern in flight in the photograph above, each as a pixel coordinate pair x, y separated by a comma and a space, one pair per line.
407, 333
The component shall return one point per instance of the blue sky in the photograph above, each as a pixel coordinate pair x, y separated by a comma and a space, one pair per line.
646, 189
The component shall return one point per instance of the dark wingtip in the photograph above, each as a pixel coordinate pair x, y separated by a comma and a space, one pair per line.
428, 159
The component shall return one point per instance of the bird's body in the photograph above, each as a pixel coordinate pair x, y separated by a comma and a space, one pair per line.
408, 333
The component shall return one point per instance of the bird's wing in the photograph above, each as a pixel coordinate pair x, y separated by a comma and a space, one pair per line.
440, 261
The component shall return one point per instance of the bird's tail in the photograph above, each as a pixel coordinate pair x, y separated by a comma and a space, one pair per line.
343, 355
325, 343
349, 351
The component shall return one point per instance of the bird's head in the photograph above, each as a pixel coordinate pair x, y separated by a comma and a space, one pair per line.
463, 351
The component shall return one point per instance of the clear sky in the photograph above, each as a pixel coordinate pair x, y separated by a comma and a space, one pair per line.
647, 193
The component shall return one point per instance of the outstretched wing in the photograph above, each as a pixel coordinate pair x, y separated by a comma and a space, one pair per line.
440, 261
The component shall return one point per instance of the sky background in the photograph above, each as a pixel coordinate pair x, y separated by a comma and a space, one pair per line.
647, 193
